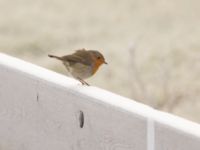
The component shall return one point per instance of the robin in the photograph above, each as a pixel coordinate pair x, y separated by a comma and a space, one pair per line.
82, 64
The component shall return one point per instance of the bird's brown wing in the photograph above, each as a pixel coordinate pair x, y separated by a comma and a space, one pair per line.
80, 56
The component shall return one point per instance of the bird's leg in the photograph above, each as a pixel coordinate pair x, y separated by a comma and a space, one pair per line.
82, 81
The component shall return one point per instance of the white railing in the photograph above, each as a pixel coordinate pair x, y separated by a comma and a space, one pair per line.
43, 110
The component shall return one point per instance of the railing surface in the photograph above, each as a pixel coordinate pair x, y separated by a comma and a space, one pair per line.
43, 110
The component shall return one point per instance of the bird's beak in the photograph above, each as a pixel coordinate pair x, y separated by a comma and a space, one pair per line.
105, 62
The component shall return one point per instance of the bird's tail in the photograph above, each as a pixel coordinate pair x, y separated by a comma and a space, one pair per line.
53, 56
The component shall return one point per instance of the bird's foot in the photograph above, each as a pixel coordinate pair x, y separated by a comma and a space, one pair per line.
83, 82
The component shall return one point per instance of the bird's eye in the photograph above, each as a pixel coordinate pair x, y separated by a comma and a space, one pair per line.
98, 57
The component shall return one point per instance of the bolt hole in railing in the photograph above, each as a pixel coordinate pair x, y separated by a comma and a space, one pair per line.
81, 119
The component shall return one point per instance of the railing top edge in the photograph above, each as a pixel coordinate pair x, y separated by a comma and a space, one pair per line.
73, 85
103, 96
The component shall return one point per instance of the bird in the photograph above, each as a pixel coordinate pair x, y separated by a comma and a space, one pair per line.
82, 64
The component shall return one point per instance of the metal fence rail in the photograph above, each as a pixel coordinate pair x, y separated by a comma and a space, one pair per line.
43, 110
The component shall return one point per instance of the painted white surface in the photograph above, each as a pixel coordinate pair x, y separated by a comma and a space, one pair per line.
40, 110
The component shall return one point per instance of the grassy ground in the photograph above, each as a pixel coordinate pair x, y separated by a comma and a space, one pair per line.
152, 47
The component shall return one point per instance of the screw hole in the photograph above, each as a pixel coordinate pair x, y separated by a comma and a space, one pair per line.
81, 119
37, 97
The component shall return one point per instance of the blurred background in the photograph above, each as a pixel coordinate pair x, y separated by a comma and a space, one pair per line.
152, 46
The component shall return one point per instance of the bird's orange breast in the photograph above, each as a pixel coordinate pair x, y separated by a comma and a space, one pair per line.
96, 66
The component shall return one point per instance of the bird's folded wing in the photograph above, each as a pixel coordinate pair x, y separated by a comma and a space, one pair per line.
80, 56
